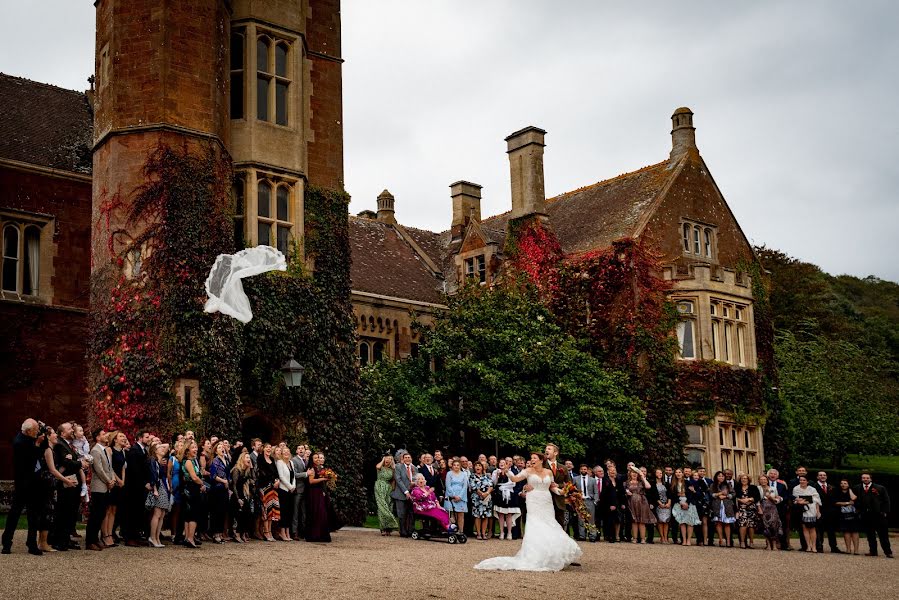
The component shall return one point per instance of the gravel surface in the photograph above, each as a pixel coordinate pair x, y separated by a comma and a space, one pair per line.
362, 564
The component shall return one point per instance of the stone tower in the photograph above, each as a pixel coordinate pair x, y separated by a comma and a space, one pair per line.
161, 77
262, 81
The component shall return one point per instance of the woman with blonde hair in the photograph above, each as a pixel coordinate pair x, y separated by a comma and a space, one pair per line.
286, 490
244, 485
193, 493
159, 497
384, 484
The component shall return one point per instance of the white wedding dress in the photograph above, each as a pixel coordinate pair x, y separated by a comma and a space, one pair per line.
545, 547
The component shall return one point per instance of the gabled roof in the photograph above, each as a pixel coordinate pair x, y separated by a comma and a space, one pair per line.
385, 264
45, 125
596, 215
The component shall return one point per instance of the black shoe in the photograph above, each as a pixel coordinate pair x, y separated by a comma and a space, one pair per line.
889, 555
74, 546
34, 551
61, 548
6, 550
836, 551
575, 564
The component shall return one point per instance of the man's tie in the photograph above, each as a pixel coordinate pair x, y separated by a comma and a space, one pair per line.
409, 472
600, 486
553, 465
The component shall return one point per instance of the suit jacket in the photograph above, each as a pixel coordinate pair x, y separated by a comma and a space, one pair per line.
66, 458
25, 456
784, 493
606, 494
432, 479
299, 467
561, 477
102, 471
875, 503
403, 483
592, 492
827, 499
138, 469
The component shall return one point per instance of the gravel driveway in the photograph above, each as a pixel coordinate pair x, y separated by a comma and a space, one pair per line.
364, 565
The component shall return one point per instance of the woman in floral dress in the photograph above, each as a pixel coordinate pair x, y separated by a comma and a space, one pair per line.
481, 487
384, 484
771, 527
747, 498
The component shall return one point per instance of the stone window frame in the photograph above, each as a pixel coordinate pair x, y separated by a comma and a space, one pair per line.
26, 224
191, 406
699, 446
475, 266
687, 318
275, 78
730, 332
250, 217
699, 240
239, 204
739, 446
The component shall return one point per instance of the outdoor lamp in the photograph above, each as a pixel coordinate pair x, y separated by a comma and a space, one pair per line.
293, 373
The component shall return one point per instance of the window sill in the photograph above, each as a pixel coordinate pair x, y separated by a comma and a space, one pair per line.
20, 298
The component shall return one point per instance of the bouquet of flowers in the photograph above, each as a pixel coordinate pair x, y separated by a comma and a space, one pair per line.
331, 476
575, 499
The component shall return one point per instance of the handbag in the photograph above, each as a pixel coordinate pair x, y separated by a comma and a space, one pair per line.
847, 510
149, 501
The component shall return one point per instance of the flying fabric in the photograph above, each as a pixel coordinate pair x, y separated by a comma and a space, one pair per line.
224, 287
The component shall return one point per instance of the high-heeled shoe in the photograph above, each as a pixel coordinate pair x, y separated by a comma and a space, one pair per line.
189, 544
155, 543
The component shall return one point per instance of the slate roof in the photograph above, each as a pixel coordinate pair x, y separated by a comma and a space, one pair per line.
45, 125
385, 264
596, 215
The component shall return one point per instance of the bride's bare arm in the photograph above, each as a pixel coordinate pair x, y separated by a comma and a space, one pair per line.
520, 477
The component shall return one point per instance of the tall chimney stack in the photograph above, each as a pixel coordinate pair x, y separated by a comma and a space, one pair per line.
466, 205
385, 208
683, 134
525, 150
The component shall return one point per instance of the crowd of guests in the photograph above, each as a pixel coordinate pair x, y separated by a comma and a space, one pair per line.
131, 491
667, 505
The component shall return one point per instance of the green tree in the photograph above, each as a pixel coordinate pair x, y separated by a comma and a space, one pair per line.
843, 398
506, 372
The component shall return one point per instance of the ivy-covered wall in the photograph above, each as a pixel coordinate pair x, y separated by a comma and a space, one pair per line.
150, 329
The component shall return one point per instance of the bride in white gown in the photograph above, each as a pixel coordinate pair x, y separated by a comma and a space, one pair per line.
545, 547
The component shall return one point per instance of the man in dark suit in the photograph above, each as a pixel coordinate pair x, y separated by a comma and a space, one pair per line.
432, 480
873, 506
604, 491
829, 514
709, 530
137, 484
25, 454
560, 477
68, 498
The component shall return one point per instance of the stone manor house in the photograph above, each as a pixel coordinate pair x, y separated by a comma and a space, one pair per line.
263, 81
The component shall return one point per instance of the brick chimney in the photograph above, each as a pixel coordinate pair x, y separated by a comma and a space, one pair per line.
683, 134
466, 204
525, 150
385, 208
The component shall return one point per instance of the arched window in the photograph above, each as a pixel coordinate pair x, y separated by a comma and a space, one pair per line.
240, 210
708, 243
237, 71
11, 258
697, 249
686, 237
282, 216
686, 330
363, 354
264, 212
282, 83
378, 351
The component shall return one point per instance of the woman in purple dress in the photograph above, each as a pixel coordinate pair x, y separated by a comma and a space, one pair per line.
321, 519
424, 502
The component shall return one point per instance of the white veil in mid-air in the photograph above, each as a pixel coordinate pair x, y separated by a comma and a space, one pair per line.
224, 287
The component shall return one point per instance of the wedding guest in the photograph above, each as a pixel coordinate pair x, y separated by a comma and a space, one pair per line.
873, 506
136, 488
384, 484
747, 499
722, 508
806, 497
518, 465
301, 471
617, 499
159, 496
404, 474
244, 485
637, 504
267, 484
27, 491
796, 511
424, 502
492, 464
193, 493
174, 469
827, 522
456, 500
481, 506
663, 506
286, 490
322, 519
684, 510
117, 442
505, 500
68, 502
54, 481
770, 526
844, 501
782, 507
101, 482
218, 492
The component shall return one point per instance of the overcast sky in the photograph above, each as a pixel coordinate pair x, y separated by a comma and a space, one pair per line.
795, 103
